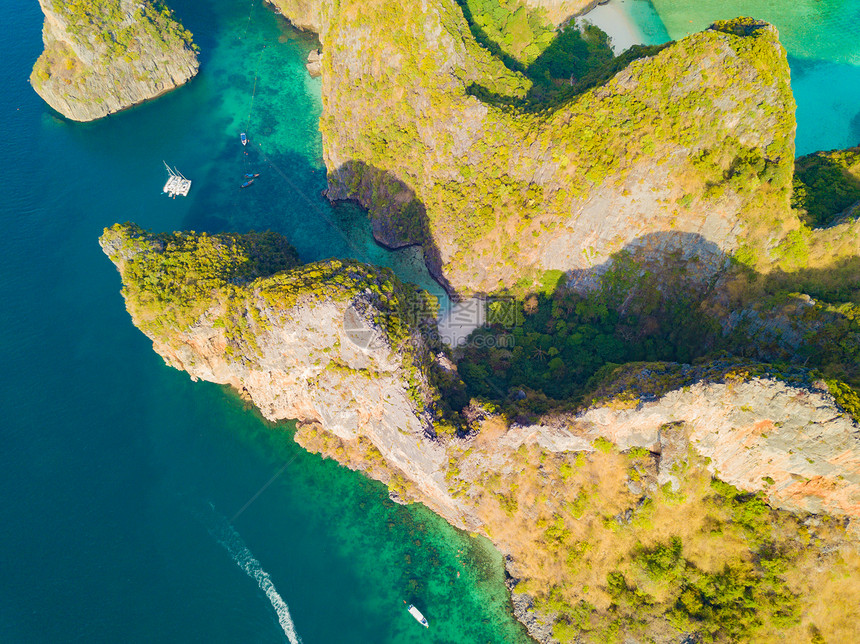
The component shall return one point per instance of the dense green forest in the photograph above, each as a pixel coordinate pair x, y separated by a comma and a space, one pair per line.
559, 341
559, 62
825, 184
550, 349
106, 21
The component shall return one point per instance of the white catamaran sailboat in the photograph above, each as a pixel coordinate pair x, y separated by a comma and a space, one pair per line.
418, 616
176, 184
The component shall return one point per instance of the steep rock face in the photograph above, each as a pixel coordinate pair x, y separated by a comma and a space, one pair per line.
793, 443
323, 343
106, 56
497, 193
336, 344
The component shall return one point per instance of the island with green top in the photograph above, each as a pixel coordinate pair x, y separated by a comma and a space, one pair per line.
106, 55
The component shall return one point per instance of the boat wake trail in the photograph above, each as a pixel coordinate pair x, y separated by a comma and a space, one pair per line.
227, 536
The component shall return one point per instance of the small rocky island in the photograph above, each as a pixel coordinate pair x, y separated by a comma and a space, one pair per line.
106, 55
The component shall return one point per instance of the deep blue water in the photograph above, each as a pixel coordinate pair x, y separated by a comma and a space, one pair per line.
122, 481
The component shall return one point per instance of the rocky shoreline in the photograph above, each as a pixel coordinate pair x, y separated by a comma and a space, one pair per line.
122, 54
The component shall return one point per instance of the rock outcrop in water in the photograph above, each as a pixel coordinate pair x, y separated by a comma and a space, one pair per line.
337, 344
328, 342
102, 57
304, 14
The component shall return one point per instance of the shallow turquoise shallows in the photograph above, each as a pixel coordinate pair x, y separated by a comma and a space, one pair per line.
122, 481
822, 38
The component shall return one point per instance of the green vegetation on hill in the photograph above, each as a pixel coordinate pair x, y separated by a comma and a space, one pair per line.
615, 557
106, 55
106, 22
244, 282
556, 61
825, 184
488, 184
557, 348
729, 603
600, 544
508, 28
170, 279
572, 54
557, 343
846, 397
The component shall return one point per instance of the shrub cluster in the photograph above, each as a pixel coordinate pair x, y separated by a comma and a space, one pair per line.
825, 184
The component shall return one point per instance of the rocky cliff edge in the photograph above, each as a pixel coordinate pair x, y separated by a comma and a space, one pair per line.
338, 343
437, 138
102, 57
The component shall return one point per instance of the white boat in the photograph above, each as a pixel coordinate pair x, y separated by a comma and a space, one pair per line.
418, 616
176, 183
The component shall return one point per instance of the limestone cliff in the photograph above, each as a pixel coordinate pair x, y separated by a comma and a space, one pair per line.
500, 191
102, 57
327, 342
304, 14
581, 503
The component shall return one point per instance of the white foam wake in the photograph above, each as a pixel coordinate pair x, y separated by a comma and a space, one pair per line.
227, 536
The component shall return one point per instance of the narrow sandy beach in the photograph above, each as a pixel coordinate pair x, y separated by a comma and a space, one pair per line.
615, 21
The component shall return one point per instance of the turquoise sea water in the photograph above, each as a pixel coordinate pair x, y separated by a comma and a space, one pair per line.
121, 481
822, 38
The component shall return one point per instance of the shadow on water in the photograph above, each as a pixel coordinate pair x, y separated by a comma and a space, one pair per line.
288, 198
402, 220
268, 94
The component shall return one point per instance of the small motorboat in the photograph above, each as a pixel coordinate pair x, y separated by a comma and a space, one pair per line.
418, 616
247, 183
243, 138
252, 175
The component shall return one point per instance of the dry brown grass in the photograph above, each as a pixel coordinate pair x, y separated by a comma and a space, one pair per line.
491, 430
569, 520
582, 495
